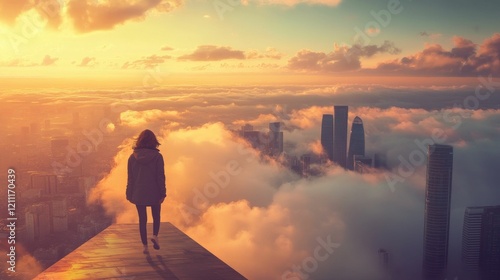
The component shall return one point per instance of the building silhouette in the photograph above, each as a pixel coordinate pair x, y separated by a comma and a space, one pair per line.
362, 164
59, 148
489, 253
45, 182
275, 139
437, 211
327, 135
356, 142
37, 222
340, 135
471, 239
383, 256
481, 242
59, 214
269, 143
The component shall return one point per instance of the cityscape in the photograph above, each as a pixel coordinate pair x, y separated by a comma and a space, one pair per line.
315, 139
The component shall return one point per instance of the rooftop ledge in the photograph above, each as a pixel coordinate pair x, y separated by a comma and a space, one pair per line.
116, 253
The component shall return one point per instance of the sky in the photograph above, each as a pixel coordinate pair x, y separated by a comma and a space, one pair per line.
256, 41
194, 71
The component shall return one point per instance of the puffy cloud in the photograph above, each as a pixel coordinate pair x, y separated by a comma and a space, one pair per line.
213, 53
87, 62
141, 118
296, 2
86, 15
47, 60
342, 58
9, 10
239, 202
89, 15
464, 59
277, 217
216, 53
48, 10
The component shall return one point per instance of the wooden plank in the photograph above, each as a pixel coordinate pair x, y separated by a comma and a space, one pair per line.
116, 253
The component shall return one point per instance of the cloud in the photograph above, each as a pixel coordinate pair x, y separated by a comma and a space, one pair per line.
17, 63
47, 60
270, 53
167, 48
146, 62
273, 215
297, 2
142, 118
277, 217
342, 58
87, 62
372, 31
464, 59
86, 15
89, 15
11, 9
432, 36
213, 53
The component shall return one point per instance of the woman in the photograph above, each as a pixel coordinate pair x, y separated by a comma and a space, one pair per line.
146, 184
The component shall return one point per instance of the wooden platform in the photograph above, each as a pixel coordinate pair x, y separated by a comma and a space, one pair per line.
116, 253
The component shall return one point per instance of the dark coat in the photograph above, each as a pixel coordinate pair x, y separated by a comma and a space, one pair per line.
146, 177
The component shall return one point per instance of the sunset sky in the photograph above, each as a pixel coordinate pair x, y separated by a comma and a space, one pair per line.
194, 72
286, 41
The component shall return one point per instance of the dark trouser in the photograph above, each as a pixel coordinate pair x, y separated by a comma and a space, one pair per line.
143, 219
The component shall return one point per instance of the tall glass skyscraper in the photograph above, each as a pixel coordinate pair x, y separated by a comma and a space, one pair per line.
340, 135
327, 135
481, 242
356, 142
471, 238
489, 253
437, 211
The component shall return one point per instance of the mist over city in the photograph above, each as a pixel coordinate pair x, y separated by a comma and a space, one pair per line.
357, 146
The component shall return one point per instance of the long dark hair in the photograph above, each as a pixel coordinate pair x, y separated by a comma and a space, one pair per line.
147, 139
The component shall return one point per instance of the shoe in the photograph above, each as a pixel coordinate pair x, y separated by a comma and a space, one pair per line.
156, 244
145, 249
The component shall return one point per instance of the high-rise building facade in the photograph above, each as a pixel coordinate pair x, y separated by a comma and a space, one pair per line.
481, 242
356, 142
340, 135
275, 139
327, 135
471, 239
37, 222
45, 182
489, 253
59, 211
437, 211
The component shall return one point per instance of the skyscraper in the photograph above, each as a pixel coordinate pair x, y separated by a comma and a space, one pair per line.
356, 142
275, 139
327, 135
437, 211
37, 222
471, 238
340, 135
481, 242
489, 253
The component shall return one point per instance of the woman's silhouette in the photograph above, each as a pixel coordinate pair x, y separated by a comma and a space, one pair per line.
146, 183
